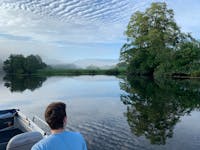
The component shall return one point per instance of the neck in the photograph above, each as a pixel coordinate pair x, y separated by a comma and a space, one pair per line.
57, 131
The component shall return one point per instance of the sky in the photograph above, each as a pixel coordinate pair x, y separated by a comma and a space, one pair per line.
64, 31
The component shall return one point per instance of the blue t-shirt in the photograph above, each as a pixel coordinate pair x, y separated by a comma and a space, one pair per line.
62, 141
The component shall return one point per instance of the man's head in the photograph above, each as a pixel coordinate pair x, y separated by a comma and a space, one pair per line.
55, 115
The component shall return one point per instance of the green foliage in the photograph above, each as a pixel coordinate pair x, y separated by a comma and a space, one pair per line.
121, 67
33, 63
63, 72
18, 64
183, 62
156, 46
195, 73
14, 64
187, 59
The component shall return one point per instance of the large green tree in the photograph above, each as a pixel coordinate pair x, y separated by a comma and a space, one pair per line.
18, 64
14, 64
33, 63
152, 38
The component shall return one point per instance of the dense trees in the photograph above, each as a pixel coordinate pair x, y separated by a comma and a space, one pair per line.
156, 46
18, 64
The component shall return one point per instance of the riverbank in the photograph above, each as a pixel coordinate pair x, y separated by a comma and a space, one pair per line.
169, 76
193, 75
63, 72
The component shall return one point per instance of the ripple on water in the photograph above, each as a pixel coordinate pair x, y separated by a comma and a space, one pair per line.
108, 134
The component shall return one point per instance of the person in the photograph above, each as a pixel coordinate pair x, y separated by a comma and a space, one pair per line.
56, 118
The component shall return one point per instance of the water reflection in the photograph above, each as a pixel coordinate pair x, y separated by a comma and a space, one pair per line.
21, 83
155, 107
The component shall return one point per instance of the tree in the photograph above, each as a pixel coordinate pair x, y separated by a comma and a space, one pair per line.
33, 63
14, 64
152, 38
187, 59
18, 64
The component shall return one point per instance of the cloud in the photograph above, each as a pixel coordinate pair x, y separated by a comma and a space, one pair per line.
78, 21
13, 37
63, 28
187, 15
52, 27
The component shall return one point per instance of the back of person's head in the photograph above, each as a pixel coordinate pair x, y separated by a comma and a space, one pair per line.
55, 114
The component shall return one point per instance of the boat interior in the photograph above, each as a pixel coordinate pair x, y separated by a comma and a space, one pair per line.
17, 131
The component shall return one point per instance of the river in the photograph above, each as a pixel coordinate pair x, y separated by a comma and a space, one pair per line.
115, 113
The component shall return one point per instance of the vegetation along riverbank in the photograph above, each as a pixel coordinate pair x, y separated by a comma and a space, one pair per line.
157, 47
33, 65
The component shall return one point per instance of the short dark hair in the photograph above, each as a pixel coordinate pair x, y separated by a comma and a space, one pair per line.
55, 114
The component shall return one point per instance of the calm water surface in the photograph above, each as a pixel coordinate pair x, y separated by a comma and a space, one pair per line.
115, 113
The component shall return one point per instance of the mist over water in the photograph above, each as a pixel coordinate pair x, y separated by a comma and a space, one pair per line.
115, 113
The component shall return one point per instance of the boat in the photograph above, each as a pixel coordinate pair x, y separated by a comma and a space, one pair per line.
18, 132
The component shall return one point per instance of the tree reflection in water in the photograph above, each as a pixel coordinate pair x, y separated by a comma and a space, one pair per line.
155, 106
21, 83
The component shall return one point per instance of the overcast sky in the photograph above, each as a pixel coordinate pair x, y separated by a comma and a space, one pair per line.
68, 30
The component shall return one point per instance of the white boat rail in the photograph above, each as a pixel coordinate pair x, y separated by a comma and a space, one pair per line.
43, 123
29, 123
38, 118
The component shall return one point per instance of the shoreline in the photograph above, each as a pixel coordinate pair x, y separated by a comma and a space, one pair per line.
73, 72
77, 72
185, 77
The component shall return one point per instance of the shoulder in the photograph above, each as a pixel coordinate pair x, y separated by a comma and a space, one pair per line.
77, 139
74, 134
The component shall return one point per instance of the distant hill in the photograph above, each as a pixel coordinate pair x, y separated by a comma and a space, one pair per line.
88, 64
65, 66
100, 63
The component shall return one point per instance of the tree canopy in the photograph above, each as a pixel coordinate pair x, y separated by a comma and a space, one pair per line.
18, 64
155, 44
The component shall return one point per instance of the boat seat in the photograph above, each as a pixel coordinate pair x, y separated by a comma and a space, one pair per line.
6, 115
24, 141
6, 120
